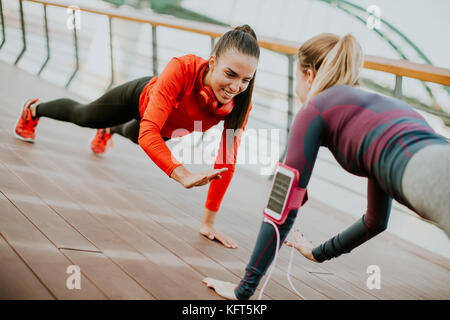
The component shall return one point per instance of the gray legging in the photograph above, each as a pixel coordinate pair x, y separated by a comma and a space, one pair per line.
426, 184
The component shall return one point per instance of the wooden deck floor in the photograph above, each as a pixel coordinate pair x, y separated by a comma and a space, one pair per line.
134, 233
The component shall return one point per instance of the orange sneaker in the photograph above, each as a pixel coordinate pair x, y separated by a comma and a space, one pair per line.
101, 141
26, 125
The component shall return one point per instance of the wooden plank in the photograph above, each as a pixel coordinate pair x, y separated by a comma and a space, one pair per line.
190, 237
228, 218
242, 254
346, 286
98, 189
144, 271
398, 282
109, 209
106, 275
45, 219
24, 284
169, 222
246, 245
47, 263
162, 259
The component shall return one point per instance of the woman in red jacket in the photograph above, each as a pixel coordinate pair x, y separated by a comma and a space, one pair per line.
151, 110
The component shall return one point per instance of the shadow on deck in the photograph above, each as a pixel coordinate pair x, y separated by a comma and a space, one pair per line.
134, 233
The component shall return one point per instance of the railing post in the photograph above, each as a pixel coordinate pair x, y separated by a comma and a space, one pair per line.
3, 25
154, 51
111, 52
290, 94
398, 87
24, 42
212, 39
77, 64
212, 43
46, 40
290, 112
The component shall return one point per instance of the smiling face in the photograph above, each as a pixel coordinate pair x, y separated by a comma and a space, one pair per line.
230, 74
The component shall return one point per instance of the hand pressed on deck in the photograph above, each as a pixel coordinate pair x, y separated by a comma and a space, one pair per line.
302, 245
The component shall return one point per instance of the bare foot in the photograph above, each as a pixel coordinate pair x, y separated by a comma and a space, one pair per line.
222, 288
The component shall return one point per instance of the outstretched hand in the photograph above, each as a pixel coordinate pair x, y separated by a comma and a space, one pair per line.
202, 178
302, 245
222, 288
189, 180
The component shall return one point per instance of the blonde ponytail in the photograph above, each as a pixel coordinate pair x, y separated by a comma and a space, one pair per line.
334, 61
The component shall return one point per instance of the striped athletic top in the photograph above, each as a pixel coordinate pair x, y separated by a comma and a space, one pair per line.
370, 135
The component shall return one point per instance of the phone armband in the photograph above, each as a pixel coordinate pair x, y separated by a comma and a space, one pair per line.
285, 194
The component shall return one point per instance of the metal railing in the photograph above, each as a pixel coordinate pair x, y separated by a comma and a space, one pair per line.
3, 25
399, 68
360, 14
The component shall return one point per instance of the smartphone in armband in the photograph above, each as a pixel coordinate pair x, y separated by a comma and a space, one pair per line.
285, 194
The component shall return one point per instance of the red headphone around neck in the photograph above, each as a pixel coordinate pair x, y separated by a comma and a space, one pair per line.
213, 104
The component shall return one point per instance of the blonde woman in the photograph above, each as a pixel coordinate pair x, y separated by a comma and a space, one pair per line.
370, 135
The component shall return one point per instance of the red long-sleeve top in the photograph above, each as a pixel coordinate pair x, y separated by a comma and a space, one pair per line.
169, 105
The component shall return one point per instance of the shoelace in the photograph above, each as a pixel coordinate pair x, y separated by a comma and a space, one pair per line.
24, 115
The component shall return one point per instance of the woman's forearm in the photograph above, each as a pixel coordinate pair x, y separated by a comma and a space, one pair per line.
180, 174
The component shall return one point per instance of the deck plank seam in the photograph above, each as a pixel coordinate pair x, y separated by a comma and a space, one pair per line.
50, 241
28, 266
44, 202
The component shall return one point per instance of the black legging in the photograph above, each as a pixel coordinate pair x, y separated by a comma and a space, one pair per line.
117, 109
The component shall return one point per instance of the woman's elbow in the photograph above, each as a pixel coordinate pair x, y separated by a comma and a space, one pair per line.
378, 228
141, 140
147, 133
374, 227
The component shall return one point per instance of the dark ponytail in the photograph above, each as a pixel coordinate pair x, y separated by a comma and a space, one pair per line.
242, 39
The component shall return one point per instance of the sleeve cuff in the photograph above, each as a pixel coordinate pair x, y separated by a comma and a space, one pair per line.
171, 168
316, 252
218, 188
